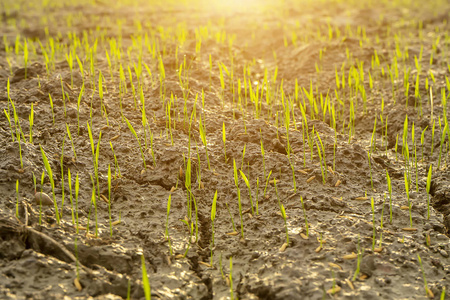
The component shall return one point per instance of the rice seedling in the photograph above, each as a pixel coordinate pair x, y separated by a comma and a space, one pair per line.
40, 202
422, 140
187, 184
428, 191
428, 292
69, 179
93, 202
395, 148
17, 198
18, 131
190, 198
95, 160
145, 281
372, 205
31, 121
280, 205
213, 217
231, 217
25, 57
76, 256
78, 108
283, 214
100, 93
109, 200
77, 188
247, 183
321, 163
243, 156
267, 182
139, 141
239, 197
10, 125
305, 216
167, 224
415, 158
231, 278
52, 182
405, 136
257, 193
358, 263
199, 171
371, 149
432, 137
203, 138
63, 98
69, 59
442, 143
71, 141
61, 162
381, 223
407, 187
116, 163
51, 106
224, 139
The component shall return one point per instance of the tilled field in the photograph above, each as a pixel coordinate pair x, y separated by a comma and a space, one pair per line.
265, 150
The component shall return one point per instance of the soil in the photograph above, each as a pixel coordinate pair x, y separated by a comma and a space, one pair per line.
40, 259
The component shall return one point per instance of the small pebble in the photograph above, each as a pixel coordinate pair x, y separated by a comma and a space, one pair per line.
443, 253
43, 198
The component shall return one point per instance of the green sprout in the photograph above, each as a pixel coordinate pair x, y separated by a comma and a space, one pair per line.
428, 191
243, 156
306, 218
77, 188
422, 140
17, 198
63, 98
78, 108
10, 125
283, 213
51, 105
52, 182
231, 278
249, 189
231, 216
425, 284
40, 202
71, 141
139, 141
116, 164
76, 256
263, 158
31, 121
18, 130
224, 139
213, 217
203, 138
145, 282
239, 197
109, 199
267, 182
25, 56
442, 143
358, 263
373, 222
62, 175
69, 179
69, 59
167, 224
